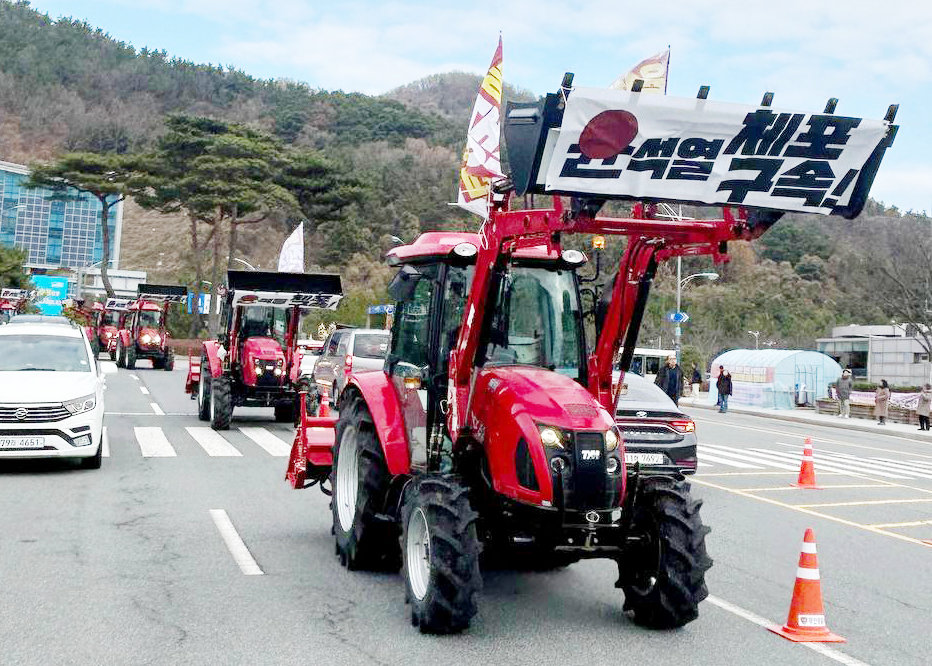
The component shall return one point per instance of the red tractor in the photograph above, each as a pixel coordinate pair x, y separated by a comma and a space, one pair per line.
255, 362
109, 323
143, 332
12, 302
491, 429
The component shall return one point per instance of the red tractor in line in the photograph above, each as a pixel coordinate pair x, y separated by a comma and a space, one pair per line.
109, 323
143, 332
491, 430
255, 361
12, 302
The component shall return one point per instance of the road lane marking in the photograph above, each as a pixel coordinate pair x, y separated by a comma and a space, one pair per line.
823, 486
134, 377
156, 409
869, 465
144, 390
832, 466
105, 443
235, 543
810, 512
752, 457
212, 442
817, 438
752, 617
866, 503
153, 443
706, 455
786, 474
268, 441
912, 523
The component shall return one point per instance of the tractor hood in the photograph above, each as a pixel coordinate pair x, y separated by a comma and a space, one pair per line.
262, 362
264, 348
149, 337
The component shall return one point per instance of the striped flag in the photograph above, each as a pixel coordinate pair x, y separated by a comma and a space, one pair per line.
653, 72
481, 159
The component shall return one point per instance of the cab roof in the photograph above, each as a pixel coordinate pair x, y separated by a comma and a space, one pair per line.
434, 244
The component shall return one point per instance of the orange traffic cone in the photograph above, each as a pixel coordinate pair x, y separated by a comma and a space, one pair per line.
806, 468
324, 409
806, 620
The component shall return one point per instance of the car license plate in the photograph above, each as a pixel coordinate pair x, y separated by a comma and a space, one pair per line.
644, 458
22, 442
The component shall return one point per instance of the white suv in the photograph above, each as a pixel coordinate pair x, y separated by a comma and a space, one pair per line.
51, 394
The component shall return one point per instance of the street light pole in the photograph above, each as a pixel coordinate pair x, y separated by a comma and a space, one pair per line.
756, 335
680, 283
245, 263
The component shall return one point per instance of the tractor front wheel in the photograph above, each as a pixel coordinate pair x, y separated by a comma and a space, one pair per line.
441, 554
203, 391
169, 363
221, 403
284, 413
120, 356
663, 572
129, 360
359, 478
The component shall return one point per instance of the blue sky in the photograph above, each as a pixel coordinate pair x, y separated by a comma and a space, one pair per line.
867, 54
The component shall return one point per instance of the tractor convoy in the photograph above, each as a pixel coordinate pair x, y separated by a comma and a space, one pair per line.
143, 332
490, 433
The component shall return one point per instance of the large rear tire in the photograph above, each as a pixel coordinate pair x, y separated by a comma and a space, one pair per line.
120, 356
169, 363
221, 403
360, 480
441, 554
663, 577
129, 360
203, 391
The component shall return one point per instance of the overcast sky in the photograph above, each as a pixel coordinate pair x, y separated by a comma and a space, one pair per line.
868, 54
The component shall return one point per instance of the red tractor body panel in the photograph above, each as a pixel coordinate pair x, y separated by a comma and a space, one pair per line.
214, 363
265, 354
385, 406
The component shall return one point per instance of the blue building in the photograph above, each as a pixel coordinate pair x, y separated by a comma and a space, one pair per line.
56, 234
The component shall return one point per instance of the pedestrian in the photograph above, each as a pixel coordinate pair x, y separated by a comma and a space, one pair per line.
696, 381
670, 380
882, 402
721, 371
843, 387
924, 406
724, 387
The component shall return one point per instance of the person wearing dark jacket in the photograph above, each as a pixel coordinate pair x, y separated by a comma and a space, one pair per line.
670, 380
723, 385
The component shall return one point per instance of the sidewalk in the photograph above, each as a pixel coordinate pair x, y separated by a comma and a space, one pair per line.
810, 417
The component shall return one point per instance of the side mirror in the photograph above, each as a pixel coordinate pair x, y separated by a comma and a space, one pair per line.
402, 286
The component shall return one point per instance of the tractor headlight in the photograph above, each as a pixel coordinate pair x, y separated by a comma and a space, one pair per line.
260, 368
80, 405
552, 437
611, 440
146, 339
156, 339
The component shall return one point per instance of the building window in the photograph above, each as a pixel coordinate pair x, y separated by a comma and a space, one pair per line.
920, 357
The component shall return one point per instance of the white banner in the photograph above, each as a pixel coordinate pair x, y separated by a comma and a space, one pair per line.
291, 259
617, 143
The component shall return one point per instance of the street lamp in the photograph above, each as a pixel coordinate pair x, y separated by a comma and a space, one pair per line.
245, 263
680, 283
756, 335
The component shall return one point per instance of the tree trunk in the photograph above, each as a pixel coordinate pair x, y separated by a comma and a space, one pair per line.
213, 318
234, 225
196, 320
105, 243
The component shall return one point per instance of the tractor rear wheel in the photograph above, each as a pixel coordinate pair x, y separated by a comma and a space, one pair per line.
441, 554
221, 403
112, 353
120, 356
203, 391
158, 363
129, 357
360, 479
169, 363
663, 575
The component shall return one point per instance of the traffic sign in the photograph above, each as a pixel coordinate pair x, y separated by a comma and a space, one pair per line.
678, 317
380, 309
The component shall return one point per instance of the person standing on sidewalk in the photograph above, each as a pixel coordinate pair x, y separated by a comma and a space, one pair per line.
844, 386
724, 389
882, 402
670, 379
924, 406
696, 381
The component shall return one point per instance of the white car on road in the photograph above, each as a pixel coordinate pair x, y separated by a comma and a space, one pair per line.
51, 394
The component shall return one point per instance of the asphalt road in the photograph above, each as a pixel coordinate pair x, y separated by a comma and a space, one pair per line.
128, 564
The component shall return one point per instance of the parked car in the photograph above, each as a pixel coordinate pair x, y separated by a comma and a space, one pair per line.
310, 354
655, 432
51, 394
349, 350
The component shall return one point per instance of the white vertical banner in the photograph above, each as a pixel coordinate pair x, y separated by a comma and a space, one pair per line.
291, 258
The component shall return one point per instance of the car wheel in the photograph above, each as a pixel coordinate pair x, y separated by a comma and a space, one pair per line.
95, 460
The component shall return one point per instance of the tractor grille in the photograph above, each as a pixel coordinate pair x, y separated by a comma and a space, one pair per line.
589, 483
33, 413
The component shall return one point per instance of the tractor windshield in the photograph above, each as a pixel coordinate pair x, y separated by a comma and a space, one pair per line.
110, 318
150, 318
537, 321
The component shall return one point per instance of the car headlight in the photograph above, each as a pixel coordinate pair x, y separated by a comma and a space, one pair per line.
83, 440
146, 339
80, 405
552, 437
611, 440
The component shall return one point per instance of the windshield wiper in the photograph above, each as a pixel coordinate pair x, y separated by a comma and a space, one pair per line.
36, 370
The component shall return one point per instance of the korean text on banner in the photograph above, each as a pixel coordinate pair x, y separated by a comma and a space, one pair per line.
652, 71
291, 258
623, 144
481, 159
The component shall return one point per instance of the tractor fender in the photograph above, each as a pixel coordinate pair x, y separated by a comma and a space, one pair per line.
385, 407
212, 352
124, 338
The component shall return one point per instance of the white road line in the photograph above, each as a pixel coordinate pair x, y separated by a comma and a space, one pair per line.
268, 441
212, 442
144, 390
821, 648
156, 409
868, 465
835, 465
235, 544
134, 377
105, 443
741, 454
705, 464
706, 455
153, 443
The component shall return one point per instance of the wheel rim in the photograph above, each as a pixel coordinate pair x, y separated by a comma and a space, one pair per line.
212, 409
347, 478
201, 391
417, 553
648, 555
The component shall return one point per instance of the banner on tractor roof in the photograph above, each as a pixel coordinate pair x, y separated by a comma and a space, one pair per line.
482, 157
652, 71
622, 144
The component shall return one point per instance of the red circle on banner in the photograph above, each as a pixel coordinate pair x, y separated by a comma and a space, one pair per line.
608, 134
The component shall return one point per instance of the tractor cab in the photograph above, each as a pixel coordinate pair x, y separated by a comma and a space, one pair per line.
144, 333
111, 320
12, 302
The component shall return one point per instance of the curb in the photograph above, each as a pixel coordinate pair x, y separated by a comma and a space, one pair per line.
847, 425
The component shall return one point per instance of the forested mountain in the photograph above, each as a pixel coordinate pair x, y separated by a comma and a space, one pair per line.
68, 86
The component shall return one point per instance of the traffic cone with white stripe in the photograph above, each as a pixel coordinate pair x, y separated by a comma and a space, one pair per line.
324, 409
807, 468
806, 620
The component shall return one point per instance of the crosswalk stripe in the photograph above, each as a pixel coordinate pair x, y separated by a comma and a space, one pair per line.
706, 455
268, 441
153, 443
104, 443
876, 464
864, 465
741, 454
213, 442
832, 465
